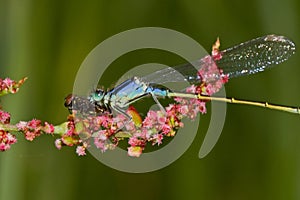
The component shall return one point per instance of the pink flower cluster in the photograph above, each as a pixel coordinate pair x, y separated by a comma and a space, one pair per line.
4, 117
154, 128
10, 86
104, 138
100, 129
105, 131
34, 128
6, 139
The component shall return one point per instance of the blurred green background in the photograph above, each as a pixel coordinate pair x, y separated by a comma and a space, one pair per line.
257, 155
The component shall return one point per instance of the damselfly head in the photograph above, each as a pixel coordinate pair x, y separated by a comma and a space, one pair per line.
82, 105
76, 103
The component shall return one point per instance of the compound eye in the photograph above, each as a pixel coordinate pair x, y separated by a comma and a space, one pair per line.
68, 101
98, 95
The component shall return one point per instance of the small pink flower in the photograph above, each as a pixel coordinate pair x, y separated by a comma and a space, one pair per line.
178, 100
202, 107
134, 141
58, 143
34, 124
80, 150
4, 147
100, 140
191, 89
157, 139
151, 119
130, 126
183, 109
48, 128
30, 135
225, 78
209, 90
217, 56
166, 129
152, 114
8, 82
162, 119
120, 121
11, 139
100, 144
4, 117
105, 121
21, 125
135, 151
71, 131
171, 109
101, 135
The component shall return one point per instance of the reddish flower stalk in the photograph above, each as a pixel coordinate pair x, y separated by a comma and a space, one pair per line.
106, 131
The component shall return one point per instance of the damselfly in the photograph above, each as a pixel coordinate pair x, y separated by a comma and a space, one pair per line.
246, 58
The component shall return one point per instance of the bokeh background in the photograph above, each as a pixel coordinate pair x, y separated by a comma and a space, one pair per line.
257, 155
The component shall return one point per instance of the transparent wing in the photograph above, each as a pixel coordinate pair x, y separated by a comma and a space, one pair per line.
243, 59
181, 73
256, 55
